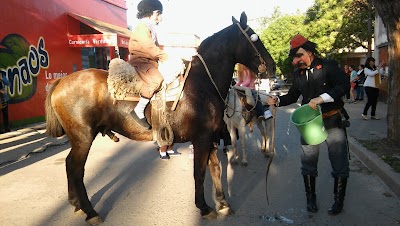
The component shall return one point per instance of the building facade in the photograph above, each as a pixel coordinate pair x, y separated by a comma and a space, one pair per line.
43, 40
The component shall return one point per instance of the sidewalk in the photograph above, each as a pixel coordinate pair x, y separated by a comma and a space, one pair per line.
13, 144
361, 129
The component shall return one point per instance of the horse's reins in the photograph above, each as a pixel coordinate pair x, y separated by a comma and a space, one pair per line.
262, 68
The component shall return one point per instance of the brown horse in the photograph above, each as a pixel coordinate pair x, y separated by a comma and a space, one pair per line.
80, 106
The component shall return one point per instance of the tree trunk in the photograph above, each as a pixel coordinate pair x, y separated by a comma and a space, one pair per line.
389, 11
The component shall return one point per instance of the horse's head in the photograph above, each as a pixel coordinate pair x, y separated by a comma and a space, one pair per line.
250, 51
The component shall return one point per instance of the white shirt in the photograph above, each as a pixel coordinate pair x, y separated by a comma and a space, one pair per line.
369, 77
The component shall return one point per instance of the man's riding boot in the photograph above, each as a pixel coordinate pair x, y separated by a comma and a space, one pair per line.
339, 191
141, 121
138, 112
309, 184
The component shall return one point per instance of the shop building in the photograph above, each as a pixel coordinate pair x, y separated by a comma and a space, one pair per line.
43, 40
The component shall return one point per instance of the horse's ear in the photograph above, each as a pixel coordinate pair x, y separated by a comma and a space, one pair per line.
234, 21
243, 19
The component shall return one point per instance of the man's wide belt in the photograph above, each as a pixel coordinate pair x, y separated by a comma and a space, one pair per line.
330, 113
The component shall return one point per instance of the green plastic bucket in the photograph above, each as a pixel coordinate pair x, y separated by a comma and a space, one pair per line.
310, 124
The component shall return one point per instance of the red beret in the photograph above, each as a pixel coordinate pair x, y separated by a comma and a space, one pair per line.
297, 41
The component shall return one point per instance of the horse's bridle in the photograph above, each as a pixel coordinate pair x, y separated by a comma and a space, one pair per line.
262, 67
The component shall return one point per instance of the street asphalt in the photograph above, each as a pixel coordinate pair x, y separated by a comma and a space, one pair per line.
20, 143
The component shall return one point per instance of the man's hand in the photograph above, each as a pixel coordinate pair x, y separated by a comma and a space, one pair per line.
316, 101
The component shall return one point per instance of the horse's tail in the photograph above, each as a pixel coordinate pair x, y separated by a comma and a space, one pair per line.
53, 125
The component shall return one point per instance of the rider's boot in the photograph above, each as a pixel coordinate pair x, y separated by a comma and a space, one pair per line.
339, 190
309, 184
138, 113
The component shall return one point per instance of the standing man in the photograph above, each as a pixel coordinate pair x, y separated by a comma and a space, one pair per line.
347, 72
320, 82
145, 55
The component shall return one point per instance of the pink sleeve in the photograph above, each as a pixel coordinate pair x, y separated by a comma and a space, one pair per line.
246, 81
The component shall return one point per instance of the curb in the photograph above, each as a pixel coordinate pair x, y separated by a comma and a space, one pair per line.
376, 165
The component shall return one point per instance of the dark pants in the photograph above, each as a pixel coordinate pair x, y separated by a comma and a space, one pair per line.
225, 136
360, 92
259, 107
372, 94
337, 150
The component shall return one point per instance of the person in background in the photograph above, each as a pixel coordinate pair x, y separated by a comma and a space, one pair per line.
372, 80
320, 82
246, 78
226, 137
360, 83
347, 71
353, 83
4, 103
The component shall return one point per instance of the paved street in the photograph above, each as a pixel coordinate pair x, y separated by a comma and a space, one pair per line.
128, 185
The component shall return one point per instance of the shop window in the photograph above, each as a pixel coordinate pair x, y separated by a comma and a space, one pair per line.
123, 53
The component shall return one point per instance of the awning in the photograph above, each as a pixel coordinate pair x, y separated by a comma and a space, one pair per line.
112, 35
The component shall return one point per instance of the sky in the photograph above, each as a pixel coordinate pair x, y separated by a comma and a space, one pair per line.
206, 17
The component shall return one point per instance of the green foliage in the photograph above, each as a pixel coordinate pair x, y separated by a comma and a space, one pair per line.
323, 21
354, 31
331, 24
276, 38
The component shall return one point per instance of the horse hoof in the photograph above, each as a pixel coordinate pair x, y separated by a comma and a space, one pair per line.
94, 220
79, 211
244, 164
225, 211
115, 138
211, 216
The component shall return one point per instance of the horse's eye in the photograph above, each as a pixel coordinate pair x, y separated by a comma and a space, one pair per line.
254, 37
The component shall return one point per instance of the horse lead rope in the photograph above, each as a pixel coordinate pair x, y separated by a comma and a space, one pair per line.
262, 69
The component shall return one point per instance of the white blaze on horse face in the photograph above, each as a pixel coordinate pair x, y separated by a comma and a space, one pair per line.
254, 37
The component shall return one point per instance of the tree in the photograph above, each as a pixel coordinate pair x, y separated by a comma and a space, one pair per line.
276, 38
323, 21
389, 11
354, 30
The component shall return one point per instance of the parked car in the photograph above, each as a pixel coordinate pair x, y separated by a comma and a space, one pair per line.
276, 83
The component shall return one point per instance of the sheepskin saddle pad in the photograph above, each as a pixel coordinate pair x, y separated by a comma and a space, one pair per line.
124, 82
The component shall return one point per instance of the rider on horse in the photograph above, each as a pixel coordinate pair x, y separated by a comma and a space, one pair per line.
145, 55
247, 78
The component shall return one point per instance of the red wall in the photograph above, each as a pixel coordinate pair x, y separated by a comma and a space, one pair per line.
34, 33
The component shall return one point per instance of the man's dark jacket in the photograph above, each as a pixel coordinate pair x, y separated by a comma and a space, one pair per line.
324, 76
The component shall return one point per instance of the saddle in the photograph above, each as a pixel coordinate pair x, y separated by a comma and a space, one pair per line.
124, 84
248, 101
